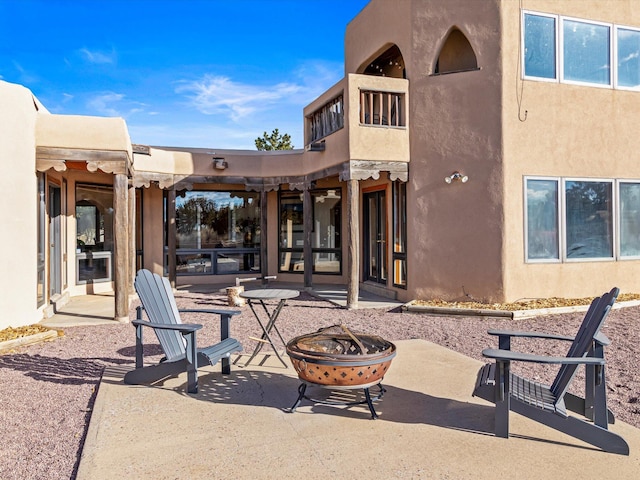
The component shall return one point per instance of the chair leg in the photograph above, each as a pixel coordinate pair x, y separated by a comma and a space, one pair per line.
502, 399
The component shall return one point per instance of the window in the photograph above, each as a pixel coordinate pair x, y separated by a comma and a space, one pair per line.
94, 233
589, 219
326, 236
629, 219
399, 255
456, 55
217, 232
540, 46
586, 52
382, 108
570, 50
42, 222
599, 219
326, 120
628, 58
542, 219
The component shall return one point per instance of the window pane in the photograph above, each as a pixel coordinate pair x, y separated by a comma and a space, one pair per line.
542, 219
628, 58
589, 215
539, 46
629, 219
206, 219
291, 241
94, 233
586, 52
326, 219
42, 225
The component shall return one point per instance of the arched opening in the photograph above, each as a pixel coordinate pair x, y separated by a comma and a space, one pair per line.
456, 55
388, 64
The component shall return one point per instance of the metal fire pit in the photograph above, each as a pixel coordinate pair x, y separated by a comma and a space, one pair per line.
336, 358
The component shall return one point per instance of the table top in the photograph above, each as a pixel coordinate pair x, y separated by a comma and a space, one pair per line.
269, 294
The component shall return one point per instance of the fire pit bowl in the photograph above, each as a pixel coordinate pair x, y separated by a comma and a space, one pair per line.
335, 356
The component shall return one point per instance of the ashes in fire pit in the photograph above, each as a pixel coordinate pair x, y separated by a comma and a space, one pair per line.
336, 358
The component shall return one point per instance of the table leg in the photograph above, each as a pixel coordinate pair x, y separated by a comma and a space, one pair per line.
266, 329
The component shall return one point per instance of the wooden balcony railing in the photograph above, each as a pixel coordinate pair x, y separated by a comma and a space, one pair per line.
382, 108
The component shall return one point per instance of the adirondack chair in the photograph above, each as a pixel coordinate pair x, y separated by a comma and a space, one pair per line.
177, 339
549, 404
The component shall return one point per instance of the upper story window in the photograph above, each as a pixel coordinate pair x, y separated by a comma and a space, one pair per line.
571, 50
456, 55
326, 120
382, 108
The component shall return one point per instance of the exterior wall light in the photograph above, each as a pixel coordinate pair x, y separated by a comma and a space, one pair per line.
456, 177
219, 163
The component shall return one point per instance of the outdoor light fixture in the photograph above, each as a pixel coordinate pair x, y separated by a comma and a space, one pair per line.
219, 163
456, 177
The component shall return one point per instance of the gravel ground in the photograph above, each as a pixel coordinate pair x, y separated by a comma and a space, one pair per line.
48, 390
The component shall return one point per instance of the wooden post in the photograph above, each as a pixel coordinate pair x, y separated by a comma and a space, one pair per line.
171, 234
132, 238
264, 264
307, 209
121, 248
353, 248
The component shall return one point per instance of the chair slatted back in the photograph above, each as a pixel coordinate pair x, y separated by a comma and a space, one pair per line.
591, 325
159, 303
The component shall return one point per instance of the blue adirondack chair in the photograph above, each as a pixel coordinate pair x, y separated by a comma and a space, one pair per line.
549, 405
177, 339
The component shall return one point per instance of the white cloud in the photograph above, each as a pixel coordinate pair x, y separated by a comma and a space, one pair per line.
97, 57
220, 95
113, 104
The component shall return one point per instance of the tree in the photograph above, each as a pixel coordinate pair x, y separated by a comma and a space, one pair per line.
275, 141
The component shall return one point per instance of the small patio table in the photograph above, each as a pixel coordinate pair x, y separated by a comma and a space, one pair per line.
260, 296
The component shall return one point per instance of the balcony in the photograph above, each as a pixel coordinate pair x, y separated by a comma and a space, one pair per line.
362, 118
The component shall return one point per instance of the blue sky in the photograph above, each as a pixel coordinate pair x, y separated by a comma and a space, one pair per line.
198, 73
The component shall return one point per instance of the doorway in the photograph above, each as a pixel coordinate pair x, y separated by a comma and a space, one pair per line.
375, 236
55, 240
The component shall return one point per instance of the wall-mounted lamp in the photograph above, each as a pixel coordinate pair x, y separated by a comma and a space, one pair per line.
456, 177
219, 163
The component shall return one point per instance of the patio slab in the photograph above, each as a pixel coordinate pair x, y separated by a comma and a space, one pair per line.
238, 426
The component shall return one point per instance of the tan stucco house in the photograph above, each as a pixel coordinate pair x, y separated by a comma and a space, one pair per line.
482, 150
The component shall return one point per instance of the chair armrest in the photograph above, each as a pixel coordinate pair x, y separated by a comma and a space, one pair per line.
184, 328
508, 355
514, 333
214, 311
602, 339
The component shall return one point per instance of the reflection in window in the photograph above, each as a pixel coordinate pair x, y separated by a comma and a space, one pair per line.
217, 232
542, 219
94, 233
589, 226
540, 46
325, 237
400, 234
42, 218
628, 58
629, 219
586, 49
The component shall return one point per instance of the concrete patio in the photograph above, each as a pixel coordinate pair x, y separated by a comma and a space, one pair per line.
238, 426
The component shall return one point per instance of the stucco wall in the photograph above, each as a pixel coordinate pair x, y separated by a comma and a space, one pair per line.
455, 236
18, 242
569, 131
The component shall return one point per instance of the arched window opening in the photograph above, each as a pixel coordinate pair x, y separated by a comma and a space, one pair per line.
388, 64
456, 55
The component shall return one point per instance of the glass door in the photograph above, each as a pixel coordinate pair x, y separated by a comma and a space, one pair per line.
375, 236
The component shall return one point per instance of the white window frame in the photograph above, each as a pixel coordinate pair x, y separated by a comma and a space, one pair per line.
526, 221
561, 52
618, 220
563, 221
616, 53
557, 47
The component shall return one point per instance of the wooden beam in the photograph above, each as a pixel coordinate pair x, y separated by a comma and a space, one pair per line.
171, 234
121, 248
353, 247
